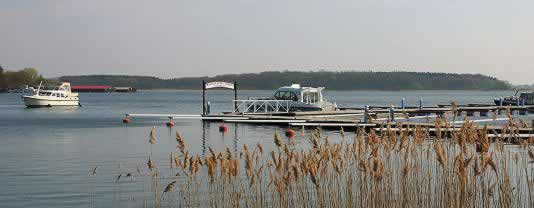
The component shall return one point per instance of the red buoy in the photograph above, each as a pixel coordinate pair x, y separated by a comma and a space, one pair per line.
126, 119
223, 128
376, 139
170, 123
290, 133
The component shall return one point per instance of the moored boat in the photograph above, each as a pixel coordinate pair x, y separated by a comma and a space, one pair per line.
58, 96
290, 99
524, 98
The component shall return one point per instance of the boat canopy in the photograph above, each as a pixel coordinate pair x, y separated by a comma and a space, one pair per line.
296, 92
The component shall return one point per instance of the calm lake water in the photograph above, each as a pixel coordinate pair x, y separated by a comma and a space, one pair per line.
48, 154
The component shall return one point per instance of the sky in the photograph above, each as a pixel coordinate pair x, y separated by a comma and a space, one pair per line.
179, 38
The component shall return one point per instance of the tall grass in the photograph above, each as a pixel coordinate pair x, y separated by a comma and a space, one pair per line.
388, 168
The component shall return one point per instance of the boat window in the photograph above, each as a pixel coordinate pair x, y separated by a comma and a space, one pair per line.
311, 97
286, 95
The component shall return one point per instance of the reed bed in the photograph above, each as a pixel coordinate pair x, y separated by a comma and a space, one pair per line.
376, 169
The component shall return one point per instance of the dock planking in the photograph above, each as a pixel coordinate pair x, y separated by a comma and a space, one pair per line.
379, 119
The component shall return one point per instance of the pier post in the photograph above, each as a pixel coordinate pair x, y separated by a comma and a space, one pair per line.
391, 114
366, 114
421, 103
403, 103
500, 101
517, 102
203, 97
235, 96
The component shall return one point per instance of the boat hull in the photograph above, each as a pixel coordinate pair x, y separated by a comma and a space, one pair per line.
42, 102
512, 102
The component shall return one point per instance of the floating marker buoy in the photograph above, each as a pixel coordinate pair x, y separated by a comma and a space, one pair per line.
126, 119
170, 123
223, 128
290, 133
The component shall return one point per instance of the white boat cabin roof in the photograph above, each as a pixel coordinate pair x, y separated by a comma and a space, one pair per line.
63, 88
296, 92
298, 88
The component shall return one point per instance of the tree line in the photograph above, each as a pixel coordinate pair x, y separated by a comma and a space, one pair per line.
350, 80
20, 78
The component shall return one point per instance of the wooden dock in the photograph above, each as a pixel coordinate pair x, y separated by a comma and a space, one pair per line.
370, 118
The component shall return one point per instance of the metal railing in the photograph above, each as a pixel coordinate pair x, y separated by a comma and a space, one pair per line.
262, 106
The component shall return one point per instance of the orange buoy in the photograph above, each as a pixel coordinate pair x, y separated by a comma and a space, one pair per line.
170, 123
126, 119
376, 139
290, 133
223, 128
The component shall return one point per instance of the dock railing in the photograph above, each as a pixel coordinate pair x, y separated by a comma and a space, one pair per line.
262, 106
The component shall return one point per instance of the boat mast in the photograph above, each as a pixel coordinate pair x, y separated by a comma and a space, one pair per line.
39, 88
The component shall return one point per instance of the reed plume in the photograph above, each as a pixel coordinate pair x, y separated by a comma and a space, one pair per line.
152, 136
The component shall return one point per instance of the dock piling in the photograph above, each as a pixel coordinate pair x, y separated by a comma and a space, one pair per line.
420, 103
366, 114
391, 114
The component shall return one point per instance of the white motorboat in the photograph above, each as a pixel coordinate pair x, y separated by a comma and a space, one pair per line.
58, 96
292, 98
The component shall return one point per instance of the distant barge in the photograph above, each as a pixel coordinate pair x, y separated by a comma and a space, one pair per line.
102, 88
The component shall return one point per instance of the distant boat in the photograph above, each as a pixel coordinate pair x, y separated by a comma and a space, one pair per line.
293, 98
25, 90
58, 96
526, 98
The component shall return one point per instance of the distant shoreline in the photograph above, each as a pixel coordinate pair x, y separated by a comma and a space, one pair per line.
178, 90
339, 81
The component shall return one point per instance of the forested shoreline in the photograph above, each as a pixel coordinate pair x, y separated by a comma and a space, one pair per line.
351, 80
332, 80
19, 79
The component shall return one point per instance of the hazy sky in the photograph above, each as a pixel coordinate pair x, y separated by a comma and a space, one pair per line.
194, 38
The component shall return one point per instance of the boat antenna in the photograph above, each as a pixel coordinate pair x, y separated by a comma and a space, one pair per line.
516, 91
39, 88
